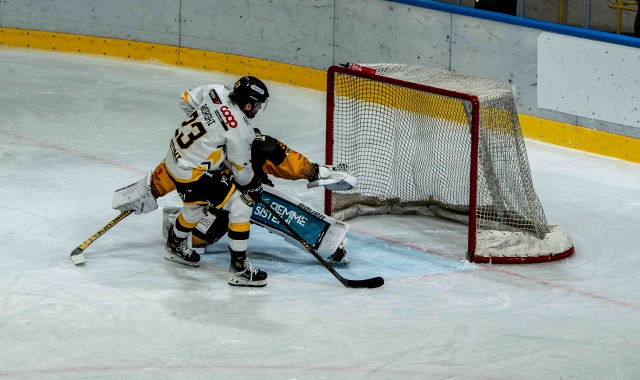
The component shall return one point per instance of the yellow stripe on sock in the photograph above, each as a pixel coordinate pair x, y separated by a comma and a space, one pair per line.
186, 224
240, 227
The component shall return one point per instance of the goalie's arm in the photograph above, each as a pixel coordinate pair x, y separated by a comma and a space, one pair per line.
269, 156
274, 157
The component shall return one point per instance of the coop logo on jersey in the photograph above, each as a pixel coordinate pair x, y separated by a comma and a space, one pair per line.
228, 117
206, 113
214, 97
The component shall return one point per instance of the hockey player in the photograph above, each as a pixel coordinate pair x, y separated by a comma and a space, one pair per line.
269, 156
217, 133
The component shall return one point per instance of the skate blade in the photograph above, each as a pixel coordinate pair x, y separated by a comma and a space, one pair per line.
179, 260
235, 281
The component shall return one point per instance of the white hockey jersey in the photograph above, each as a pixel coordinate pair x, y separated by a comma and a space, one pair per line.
216, 130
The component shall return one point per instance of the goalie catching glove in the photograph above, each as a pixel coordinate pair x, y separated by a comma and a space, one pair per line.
333, 178
136, 197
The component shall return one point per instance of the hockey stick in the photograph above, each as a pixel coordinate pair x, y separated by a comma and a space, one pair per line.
77, 257
370, 283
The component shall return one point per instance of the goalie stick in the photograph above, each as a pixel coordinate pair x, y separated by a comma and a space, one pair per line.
370, 283
77, 257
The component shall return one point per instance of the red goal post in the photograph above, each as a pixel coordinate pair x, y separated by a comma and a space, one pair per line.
433, 142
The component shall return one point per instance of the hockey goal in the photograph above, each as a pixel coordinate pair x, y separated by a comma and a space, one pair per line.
434, 142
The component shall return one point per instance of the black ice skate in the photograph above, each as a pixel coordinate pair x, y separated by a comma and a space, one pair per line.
340, 255
242, 273
180, 252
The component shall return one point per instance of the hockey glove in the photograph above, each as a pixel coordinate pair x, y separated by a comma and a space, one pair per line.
333, 178
253, 189
255, 194
264, 179
136, 197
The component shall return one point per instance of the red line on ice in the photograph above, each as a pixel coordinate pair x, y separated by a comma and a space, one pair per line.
74, 152
494, 268
484, 266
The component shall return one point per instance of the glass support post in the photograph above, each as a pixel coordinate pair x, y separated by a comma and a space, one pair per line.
520, 8
586, 14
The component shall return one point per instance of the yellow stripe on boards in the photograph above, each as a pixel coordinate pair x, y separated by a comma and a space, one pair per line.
607, 144
241, 66
423, 103
585, 139
111, 47
171, 55
420, 103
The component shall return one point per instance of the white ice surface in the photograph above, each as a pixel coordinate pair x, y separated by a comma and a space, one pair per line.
74, 128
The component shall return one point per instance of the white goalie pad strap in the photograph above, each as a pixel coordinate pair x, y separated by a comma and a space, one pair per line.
136, 197
334, 179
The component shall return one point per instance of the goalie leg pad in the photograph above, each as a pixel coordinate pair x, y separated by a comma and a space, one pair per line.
325, 234
320, 231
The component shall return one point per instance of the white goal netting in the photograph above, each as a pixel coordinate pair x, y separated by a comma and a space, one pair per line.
407, 134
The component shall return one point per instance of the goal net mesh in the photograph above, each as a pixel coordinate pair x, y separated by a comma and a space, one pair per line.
411, 149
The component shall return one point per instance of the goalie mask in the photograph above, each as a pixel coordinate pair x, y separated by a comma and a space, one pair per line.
250, 90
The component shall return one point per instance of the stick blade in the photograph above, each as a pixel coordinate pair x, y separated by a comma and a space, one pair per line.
77, 257
371, 283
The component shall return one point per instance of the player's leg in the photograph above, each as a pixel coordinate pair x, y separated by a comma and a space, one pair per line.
177, 248
211, 228
210, 188
241, 272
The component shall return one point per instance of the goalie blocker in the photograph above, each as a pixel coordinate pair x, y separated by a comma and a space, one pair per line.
323, 233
